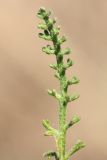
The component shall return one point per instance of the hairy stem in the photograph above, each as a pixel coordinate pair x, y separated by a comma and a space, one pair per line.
51, 33
62, 114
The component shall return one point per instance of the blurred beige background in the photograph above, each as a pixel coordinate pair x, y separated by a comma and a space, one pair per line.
25, 76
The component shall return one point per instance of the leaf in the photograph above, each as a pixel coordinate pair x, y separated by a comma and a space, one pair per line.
51, 154
74, 80
50, 131
45, 37
66, 51
75, 119
42, 26
53, 66
46, 124
78, 146
73, 97
69, 63
54, 93
57, 75
41, 13
56, 30
62, 39
48, 50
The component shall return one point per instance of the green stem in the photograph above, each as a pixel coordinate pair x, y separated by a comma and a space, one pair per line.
62, 141
62, 106
51, 33
62, 109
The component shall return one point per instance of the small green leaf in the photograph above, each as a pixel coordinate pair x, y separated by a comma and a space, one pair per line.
53, 66
62, 39
45, 37
42, 10
48, 133
51, 154
69, 63
72, 97
66, 51
46, 124
50, 23
78, 146
48, 50
54, 93
56, 30
41, 13
75, 119
42, 26
74, 80
57, 75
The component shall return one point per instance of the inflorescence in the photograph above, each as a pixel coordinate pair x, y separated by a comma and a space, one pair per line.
51, 33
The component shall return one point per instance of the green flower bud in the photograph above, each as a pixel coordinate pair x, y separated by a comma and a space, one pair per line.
42, 26
54, 93
48, 50
41, 13
53, 66
45, 37
62, 39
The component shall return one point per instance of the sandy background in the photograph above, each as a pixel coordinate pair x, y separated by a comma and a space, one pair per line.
25, 76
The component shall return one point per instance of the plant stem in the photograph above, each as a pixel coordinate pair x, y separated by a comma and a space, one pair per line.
62, 115
51, 33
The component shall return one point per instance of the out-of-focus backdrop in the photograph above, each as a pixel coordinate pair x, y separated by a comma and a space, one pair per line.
25, 76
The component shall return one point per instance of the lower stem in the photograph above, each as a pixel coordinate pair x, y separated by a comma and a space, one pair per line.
62, 121
62, 137
62, 108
